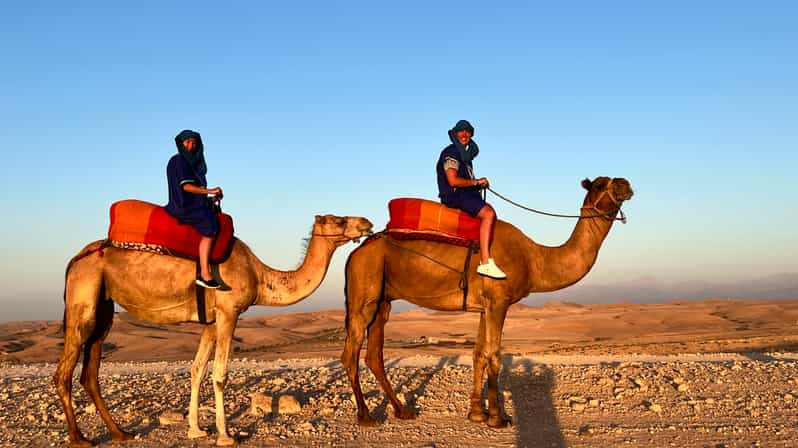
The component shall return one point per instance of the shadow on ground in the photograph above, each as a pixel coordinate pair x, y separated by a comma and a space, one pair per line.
535, 418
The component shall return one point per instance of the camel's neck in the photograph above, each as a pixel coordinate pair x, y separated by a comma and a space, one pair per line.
281, 288
553, 268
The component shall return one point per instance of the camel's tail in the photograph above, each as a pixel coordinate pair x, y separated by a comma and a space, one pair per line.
96, 246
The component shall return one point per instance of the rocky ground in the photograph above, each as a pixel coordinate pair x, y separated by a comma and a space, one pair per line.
576, 400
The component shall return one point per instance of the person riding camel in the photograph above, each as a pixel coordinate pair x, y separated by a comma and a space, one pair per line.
458, 188
188, 198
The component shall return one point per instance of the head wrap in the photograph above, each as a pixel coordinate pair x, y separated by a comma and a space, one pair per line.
473, 149
196, 158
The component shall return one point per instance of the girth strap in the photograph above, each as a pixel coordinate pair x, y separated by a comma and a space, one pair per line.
472, 249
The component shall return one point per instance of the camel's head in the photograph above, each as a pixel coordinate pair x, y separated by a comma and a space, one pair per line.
606, 194
341, 229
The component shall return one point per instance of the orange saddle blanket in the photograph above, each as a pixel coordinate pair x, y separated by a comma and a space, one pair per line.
134, 221
419, 216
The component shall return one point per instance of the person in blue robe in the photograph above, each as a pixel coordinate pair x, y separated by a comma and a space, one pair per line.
459, 188
189, 199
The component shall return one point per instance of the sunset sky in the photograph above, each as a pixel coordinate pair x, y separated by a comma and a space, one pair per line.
337, 107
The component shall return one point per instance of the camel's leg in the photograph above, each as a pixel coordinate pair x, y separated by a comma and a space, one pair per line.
376, 362
225, 326
92, 356
494, 323
350, 358
79, 314
476, 414
198, 369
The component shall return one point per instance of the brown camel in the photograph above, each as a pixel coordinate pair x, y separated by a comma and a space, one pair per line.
385, 269
161, 289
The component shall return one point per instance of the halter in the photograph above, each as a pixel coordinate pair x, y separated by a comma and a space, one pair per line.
606, 215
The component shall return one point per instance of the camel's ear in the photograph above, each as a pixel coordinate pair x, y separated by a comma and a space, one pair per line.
318, 219
587, 184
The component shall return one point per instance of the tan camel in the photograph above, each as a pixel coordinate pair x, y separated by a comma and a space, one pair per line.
161, 289
385, 269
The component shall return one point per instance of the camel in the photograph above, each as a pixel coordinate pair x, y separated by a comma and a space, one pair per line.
160, 289
384, 269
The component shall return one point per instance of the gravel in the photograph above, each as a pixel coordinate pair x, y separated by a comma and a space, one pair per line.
577, 401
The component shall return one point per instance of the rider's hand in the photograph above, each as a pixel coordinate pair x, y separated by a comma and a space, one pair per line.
482, 182
217, 192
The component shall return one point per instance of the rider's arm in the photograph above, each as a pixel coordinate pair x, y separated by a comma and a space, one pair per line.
459, 182
194, 189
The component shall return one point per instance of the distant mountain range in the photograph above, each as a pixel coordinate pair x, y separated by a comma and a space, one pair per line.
651, 290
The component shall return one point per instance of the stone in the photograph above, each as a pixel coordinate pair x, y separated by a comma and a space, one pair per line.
683, 387
90, 409
305, 427
260, 404
171, 418
287, 404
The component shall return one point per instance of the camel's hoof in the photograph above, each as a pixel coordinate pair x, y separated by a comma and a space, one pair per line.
498, 422
225, 441
404, 414
477, 416
367, 421
122, 436
196, 433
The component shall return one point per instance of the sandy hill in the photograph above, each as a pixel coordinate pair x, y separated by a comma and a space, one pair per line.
556, 327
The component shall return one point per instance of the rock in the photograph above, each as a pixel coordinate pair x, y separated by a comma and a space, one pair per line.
683, 387
788, 397
593, 403
90, 409
260, 404
171, 418
577, 407
287, 404
653, 407
305, 427
278, 381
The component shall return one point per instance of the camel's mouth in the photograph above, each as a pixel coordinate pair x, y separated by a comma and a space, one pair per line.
622, 189
363, 229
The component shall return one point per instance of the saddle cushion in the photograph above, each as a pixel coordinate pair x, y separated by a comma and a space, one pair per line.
134, 221
425, 215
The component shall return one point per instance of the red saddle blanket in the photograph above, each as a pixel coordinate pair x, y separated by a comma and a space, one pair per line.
134, 221
422, 215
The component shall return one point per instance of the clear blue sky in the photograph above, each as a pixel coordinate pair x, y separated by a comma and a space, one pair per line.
337, 107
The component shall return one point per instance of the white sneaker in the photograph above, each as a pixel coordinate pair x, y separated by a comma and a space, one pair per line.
490, 269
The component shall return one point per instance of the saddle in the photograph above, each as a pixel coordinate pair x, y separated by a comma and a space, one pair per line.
412, 218
140, 225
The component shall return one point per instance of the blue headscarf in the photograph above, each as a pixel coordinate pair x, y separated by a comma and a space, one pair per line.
195, 159
473, 149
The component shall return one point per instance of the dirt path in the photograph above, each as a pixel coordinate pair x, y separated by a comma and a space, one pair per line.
697, 400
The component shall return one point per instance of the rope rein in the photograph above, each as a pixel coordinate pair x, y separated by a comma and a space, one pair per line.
606, 215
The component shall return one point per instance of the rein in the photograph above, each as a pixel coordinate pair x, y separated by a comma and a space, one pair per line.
599, 213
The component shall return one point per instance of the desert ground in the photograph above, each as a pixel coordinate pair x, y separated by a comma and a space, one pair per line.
714, 373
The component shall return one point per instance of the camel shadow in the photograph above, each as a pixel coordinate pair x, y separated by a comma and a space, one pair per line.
380, 412
534, 416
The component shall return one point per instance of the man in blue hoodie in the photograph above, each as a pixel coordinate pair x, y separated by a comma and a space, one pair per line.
188, 198
459, 188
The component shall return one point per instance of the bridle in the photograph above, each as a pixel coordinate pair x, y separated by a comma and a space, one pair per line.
599, 214
606, 215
